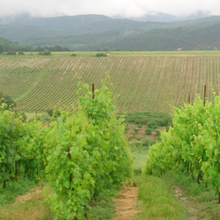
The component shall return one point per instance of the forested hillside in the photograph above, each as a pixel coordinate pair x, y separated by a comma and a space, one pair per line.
95, 32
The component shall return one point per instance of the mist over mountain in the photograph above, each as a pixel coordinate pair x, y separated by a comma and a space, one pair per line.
95, 32
164, 17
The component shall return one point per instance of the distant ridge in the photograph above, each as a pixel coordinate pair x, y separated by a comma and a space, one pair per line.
95, 32
164, 17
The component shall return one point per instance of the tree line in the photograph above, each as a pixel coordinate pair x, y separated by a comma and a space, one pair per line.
10, 46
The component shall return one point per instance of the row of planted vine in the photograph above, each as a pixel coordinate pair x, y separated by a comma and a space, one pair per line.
17, 75
143, 82
192, 145
81, 153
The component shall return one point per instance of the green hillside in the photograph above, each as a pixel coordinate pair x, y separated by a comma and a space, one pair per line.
95, 32
141, 82
188, 38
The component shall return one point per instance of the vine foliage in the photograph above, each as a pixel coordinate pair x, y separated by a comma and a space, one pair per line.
90, 154
192, 146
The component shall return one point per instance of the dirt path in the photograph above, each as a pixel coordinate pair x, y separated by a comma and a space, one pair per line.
126, 203
33, 193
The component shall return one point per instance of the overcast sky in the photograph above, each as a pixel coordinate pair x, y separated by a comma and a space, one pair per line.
125, 8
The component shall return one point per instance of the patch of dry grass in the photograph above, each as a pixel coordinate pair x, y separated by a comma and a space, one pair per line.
30, 206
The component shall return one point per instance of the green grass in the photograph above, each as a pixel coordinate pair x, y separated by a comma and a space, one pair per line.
139, 155
31, 115
35, 208
13, 189
174, 196
157, 201
203, 203
164, 52
103, 207
29, 207
93, 53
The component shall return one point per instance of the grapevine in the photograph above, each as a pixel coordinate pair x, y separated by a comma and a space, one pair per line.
192, 146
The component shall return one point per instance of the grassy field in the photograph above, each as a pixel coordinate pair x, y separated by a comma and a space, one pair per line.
141, 81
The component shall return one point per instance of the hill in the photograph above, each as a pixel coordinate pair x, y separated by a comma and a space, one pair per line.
95, 32
169, 39
144, 82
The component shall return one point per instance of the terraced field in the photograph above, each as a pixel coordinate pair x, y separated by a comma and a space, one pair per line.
144, 82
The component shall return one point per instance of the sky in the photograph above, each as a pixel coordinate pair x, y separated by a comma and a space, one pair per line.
125, 8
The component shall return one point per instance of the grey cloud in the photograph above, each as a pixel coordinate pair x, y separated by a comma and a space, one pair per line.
126, 8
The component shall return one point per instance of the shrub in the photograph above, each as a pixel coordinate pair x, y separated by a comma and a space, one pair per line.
148, 131
157, 132
45, 52
101, 55
126, 128
164, 121
23, 116
6, 99
138, 171
136, 143
20, 53
73, 55
136, 130
53, 112
152, 124
10, 52
88, 156
147, 142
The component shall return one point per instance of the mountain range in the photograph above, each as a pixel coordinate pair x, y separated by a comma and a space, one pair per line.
95, 32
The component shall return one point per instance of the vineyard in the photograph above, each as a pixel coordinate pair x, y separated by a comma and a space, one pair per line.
191, 146
82, 153
140, 82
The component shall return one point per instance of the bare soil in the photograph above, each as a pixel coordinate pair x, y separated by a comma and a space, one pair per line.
126, 203
34, 193
141, 133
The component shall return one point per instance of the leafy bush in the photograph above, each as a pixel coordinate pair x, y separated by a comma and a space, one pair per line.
85, 152
22, 147
152, 124
101, 55
136, 130
20, 53
164, 121
10, 52
22, 116
157, 132
138, 171
148, 131
53, 112
45, 52
147, 142
7, 100
136, 143
126, 128
73, 55
90, 154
